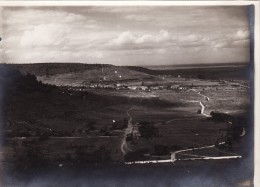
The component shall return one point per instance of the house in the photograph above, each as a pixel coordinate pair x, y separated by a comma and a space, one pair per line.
109, 86
175, 87
143, 87
155, 88
132, 87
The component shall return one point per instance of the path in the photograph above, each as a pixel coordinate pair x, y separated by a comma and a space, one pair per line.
124, 146
203, 109
195, 157
200, 102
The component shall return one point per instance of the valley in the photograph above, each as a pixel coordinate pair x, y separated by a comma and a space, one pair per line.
120, 116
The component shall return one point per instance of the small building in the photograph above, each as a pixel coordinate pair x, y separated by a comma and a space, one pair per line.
109, 86
175, 87
132, 87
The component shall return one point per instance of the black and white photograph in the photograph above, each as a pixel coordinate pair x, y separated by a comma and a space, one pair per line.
127, 95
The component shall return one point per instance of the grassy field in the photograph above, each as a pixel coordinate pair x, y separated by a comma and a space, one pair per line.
69, 127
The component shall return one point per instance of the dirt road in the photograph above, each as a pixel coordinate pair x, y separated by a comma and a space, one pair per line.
193, 157
124, 146
203, 109
201, 103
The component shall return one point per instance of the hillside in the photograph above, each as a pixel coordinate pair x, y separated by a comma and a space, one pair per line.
236, 71
77, 74
109, 74
58, 108
80, 74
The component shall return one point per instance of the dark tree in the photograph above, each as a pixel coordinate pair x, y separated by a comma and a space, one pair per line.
161, 150
148, 131
136, 155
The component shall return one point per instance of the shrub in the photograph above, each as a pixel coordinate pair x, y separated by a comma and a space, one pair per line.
136, 155
219, 116
161, 150
148, 131
44, 136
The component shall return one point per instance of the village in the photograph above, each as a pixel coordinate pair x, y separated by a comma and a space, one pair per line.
177, 85
122, 86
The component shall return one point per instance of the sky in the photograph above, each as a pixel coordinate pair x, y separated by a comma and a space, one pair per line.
129, 35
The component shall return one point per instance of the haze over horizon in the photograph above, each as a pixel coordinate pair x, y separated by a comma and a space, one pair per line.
134, 35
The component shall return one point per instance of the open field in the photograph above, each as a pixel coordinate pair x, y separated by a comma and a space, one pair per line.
70, 126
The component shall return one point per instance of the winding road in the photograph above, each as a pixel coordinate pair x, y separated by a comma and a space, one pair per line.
203, 109
194, 157
124, 146
201, 104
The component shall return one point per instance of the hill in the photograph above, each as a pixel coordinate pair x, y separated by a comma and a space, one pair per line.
236, 71
106, 75
80, 74
77, 74
47, 106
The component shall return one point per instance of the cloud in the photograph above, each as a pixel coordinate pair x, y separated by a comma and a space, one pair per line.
162, 36
141, 34
43, 26
162, 39
242, 34
135, 17
44, 35
239, 39
31, 16
46, 29
231, 44
128, 38
242, 43
191, 38
220, 44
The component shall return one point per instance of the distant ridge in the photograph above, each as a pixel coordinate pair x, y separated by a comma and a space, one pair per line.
81, 72
233, 71
201, 64
195, 66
